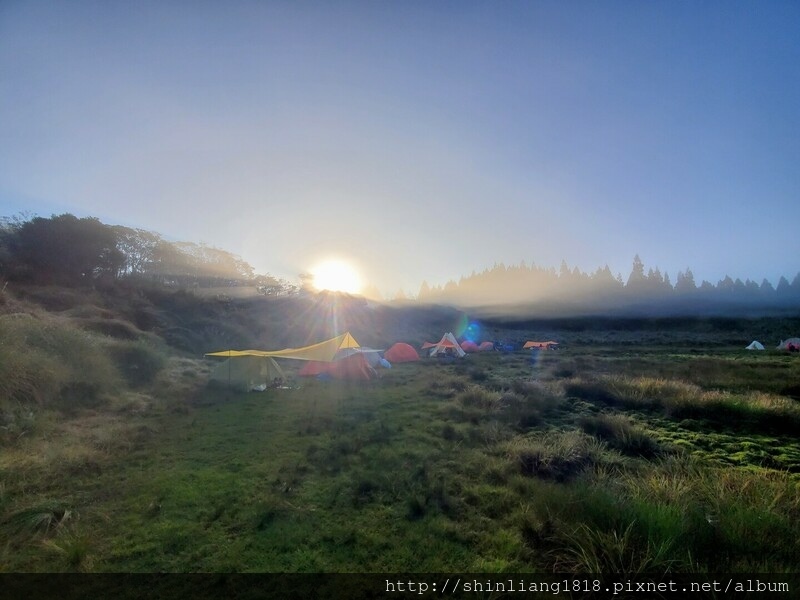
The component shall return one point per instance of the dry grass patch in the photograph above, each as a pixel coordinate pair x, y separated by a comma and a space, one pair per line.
755, 410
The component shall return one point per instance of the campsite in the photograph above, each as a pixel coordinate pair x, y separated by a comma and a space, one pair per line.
338, 292
649, 446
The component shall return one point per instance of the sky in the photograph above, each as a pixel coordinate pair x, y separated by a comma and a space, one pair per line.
416, 140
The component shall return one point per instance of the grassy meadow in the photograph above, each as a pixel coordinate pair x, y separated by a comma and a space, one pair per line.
609, 456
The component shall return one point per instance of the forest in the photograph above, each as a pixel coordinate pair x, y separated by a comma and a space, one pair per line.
70, 251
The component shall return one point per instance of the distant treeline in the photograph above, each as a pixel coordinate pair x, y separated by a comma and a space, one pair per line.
71, 251
65, 250
571, 290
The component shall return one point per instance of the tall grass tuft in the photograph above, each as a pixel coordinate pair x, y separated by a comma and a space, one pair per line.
620, 433
50, 363
554, 455
528, 403
478, 397
592, 550
73, 550
42, 518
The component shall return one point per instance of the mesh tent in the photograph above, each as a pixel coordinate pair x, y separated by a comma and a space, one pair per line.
247, 372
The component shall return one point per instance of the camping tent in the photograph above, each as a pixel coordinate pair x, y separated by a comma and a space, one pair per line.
447, 345
323, 351
371, 354
247, 372
354, 366
486, 346
335, 350
792, 344
469, 346
401, 352
541, 345
754, 345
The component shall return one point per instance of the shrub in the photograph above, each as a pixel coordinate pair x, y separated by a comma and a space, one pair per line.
138, 361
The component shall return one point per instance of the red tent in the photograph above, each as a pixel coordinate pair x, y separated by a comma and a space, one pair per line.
354, 366
468, 346
486, 346
401, 352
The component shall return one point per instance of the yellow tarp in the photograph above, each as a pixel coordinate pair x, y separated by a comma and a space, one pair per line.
323, 351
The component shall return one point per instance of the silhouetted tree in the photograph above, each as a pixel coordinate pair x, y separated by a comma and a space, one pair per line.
64, 250
137, 247
795, 285
684, 283
424, 291
306, 282
637, 278
783, 289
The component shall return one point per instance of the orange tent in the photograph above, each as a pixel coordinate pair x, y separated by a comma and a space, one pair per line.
401, 352
541, 345
486, 346
468, 346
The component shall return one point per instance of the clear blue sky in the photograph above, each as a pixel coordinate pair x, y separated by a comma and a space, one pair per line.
421, 140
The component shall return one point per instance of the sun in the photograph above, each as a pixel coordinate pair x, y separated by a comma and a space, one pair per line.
336, 276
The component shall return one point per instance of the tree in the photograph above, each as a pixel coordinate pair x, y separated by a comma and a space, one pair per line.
424, 291
137, 247
637, 277
306, 282
783, 289
726, 286
271, 286
684, 283
65, 250
766, 289
795, 285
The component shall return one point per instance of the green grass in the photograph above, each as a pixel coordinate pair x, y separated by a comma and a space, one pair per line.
590, 459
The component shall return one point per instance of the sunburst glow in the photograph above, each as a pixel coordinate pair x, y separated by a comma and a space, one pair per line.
336, 276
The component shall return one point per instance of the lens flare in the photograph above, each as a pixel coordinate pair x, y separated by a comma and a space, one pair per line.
469, 330
336, 276
461, 325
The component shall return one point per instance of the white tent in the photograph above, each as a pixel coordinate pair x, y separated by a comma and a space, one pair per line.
755, 345
789, 344
448, 345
